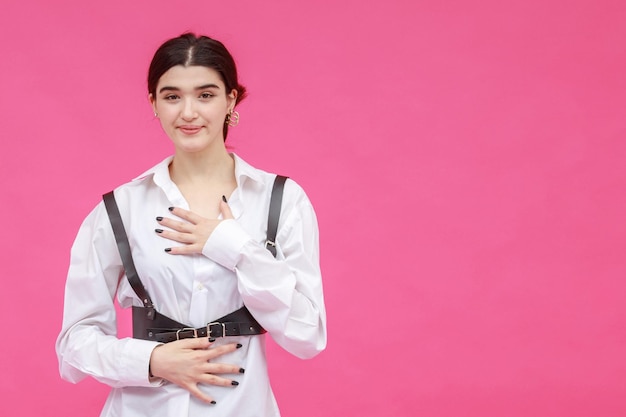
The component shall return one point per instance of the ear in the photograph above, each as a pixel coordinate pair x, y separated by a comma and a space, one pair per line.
232, 99
152, 102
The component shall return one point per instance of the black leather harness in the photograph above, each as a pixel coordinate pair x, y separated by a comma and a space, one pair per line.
149, 324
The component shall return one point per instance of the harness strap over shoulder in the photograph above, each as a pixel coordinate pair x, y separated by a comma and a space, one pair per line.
276, 202
124, 249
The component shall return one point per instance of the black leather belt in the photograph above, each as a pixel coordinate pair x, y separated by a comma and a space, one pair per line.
210, 330
151, 325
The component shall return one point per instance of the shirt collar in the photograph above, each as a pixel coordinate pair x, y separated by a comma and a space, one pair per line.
161, 173
244, 171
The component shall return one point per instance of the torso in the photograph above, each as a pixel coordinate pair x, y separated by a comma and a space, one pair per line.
204, 199
203, 191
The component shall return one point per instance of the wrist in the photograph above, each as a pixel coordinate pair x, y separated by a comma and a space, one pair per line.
150, 367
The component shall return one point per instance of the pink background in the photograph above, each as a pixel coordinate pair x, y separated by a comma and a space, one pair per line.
467, 160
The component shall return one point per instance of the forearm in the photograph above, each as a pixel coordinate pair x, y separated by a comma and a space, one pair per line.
85, 351
285, 294
87, 344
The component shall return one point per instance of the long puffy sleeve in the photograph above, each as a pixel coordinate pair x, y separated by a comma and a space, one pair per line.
87, 344
284, 294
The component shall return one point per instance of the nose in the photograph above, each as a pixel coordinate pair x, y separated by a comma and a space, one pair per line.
188, 111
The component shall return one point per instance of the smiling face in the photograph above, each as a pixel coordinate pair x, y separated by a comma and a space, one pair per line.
192, 104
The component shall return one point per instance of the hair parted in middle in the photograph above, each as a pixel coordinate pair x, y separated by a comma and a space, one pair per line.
188, 50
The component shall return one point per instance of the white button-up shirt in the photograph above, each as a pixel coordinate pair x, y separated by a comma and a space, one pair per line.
284, 294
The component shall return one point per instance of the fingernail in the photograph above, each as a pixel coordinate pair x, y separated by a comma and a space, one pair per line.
213, 402
170, 208
242, 371
158, 230
234, 383
239, 345
211, 339
168, 249
159, 218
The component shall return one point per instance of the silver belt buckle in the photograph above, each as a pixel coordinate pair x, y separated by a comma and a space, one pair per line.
208, 328
184, 329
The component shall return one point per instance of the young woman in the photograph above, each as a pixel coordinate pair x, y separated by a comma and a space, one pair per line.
197, 225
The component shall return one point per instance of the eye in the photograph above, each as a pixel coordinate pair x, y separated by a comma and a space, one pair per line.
206, 95
170, 97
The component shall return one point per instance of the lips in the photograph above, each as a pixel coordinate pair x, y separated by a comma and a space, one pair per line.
190, 129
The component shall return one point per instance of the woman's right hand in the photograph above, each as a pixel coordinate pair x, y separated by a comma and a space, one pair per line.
187, 363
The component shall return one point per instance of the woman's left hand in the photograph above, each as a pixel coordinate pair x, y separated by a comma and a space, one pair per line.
193, 232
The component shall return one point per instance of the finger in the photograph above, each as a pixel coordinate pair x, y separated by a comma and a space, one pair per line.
180, 237
190, 216
225, 209
195, 391
222, 368
193, 343
183, 227
184, 250
222, 350
217, 380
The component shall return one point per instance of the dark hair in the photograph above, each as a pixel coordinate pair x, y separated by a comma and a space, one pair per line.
189, 50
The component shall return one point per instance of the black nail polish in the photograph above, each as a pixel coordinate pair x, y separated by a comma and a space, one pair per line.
158, 230
242, 371
211, 339
224, 199
170, 208
239, 345
168, 249
234, 383
159, 218
213, 402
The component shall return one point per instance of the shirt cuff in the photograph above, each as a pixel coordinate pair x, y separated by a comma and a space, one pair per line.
225, 244
137, 355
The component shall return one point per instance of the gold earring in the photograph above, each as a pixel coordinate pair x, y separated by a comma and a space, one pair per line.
232, 118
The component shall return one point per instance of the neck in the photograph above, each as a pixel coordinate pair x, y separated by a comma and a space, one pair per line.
198, 168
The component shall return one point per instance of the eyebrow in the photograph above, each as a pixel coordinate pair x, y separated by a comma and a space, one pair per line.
202, 87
